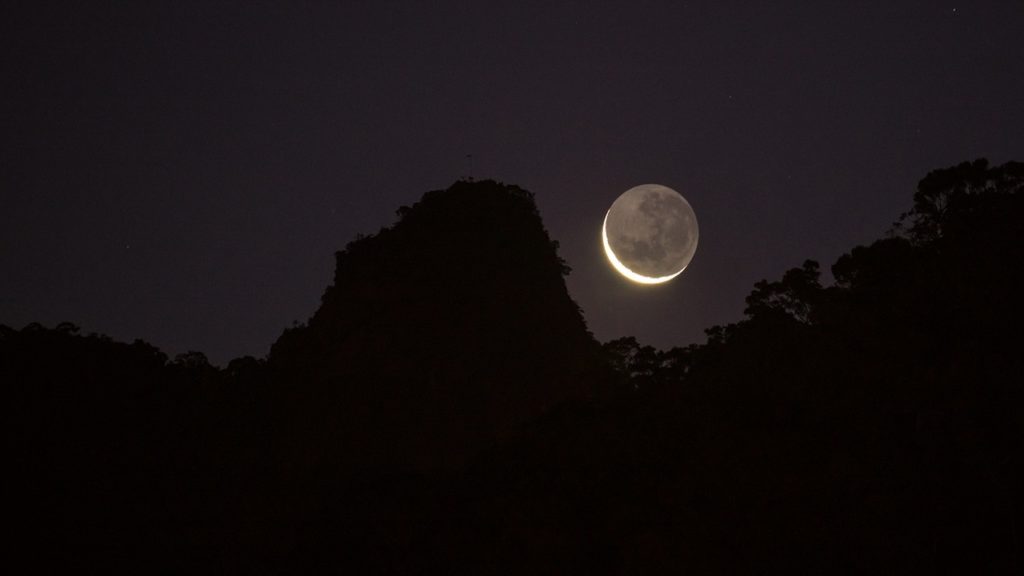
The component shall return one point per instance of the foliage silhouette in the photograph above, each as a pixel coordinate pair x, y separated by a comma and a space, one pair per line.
446, 410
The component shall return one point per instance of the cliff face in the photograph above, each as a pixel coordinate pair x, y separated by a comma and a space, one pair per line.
440, 333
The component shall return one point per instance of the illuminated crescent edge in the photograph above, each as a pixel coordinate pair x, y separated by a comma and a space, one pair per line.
622, 267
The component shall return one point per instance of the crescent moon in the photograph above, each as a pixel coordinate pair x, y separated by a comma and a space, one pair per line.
622, 267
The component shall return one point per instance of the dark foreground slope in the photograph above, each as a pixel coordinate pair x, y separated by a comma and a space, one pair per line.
876, 424
869, 426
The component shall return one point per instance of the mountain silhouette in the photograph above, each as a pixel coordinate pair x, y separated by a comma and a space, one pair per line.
445, 410
440, 334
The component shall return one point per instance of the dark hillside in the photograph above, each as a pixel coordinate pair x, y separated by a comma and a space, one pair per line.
446, 411
439, 334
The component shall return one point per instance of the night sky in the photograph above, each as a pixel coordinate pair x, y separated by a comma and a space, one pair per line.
183, 172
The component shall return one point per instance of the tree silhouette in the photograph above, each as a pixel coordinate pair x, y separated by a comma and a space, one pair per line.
446, 410
794, 297
948, 196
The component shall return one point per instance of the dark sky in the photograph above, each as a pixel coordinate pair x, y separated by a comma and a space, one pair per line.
182, 172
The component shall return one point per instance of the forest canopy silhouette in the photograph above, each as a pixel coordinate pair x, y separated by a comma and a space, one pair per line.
446, 410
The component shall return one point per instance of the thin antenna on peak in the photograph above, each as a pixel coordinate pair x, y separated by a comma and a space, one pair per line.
469, 160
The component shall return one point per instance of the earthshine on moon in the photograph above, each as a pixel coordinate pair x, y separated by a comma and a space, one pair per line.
650, 234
